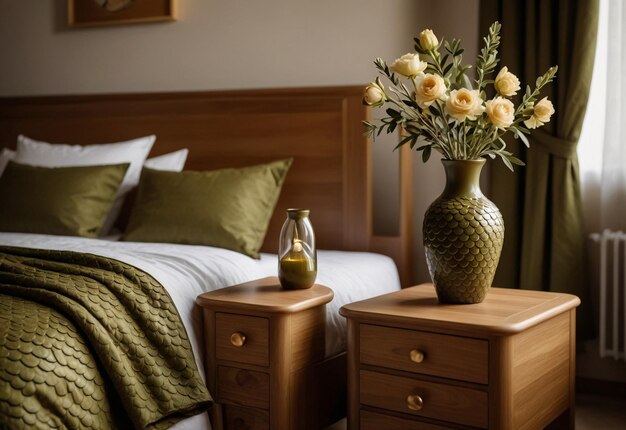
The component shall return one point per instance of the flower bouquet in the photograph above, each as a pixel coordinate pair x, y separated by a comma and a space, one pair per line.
436, 106
438, 102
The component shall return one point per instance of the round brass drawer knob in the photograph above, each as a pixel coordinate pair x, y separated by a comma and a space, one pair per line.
416, 356
414, 402
238, 339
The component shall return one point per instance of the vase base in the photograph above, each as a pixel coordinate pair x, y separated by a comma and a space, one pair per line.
456, 295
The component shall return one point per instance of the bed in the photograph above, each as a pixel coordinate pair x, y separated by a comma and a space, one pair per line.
320, 128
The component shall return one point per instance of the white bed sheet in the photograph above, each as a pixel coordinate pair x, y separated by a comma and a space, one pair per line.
186, 271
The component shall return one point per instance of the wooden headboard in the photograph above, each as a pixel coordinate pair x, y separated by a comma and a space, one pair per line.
319, 127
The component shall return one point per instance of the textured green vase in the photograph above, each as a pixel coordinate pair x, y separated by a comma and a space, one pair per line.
463, 236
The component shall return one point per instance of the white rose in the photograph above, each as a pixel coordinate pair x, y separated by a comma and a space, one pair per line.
464, 104
501, 112
506, 83
428, 88
374, 95
409, 65
428, 40
542, 112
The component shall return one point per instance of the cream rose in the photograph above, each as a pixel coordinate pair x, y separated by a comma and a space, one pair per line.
429, 88
506, 83
501, 112
542, 112
464, 104
374, 95
428, 40
409, 65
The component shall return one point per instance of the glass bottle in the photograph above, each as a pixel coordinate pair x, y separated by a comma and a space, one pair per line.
297, 256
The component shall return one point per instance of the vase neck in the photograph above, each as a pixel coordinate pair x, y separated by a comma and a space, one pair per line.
462, 178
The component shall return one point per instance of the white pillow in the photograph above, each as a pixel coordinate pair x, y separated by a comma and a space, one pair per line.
5, 156
134, 151
172, 162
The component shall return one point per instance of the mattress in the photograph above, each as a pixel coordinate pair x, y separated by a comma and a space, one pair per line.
187, 271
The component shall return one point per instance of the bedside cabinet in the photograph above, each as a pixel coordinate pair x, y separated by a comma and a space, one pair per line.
505, 363
263, 347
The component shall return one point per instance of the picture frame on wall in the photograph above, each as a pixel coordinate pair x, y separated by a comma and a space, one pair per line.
86, 13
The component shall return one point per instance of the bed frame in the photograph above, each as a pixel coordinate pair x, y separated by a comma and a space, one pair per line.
320, 128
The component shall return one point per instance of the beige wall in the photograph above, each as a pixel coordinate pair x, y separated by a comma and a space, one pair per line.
213, 45
236, 44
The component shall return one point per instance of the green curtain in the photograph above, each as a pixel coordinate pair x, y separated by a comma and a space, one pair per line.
541, 203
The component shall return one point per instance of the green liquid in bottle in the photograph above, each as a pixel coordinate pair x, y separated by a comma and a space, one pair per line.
296, 270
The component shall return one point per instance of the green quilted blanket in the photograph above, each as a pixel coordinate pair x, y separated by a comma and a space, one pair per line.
90, 342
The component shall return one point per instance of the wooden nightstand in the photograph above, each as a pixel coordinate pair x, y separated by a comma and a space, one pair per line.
506, 363
265, 351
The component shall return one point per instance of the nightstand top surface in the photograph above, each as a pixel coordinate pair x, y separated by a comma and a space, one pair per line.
266, 295
504, 311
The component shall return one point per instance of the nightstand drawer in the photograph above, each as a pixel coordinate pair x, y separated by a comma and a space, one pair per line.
426, 353
428, 399
242, 338
243, 387
240, 418
374, 421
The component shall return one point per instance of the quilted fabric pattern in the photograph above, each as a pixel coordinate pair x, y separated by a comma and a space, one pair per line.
90, 342
463, 239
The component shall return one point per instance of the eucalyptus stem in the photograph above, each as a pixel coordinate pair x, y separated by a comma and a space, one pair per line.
463, 139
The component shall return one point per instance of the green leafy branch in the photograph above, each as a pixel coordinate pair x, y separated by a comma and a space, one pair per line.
488, 58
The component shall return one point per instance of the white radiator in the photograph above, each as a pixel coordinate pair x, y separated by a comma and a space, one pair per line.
612, 293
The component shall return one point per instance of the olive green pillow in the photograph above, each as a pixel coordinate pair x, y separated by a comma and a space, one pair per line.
226, 208
71, 201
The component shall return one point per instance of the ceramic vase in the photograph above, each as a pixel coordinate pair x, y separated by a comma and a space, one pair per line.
463, 236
